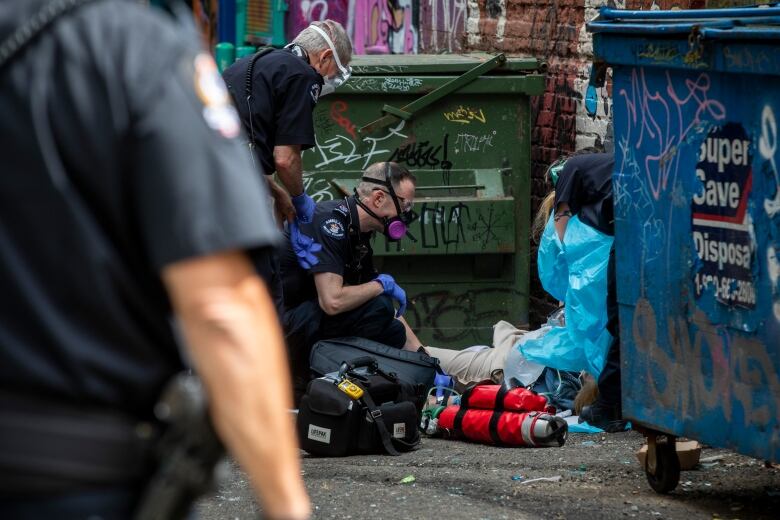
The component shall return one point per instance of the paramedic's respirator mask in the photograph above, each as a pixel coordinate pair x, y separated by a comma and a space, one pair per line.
394, 227
341, 77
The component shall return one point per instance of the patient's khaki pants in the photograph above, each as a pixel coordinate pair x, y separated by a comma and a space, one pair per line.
470, 366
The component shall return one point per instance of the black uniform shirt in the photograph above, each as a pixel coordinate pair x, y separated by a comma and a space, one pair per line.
285, 90
585, 184
351, 258
115, 164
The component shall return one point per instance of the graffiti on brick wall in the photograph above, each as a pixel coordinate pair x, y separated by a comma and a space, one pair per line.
301, 14
383, 27
442, 25
375, 26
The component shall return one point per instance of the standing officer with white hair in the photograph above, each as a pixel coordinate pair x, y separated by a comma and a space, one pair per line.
275, 92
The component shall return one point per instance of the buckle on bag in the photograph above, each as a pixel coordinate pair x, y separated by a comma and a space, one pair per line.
375, 414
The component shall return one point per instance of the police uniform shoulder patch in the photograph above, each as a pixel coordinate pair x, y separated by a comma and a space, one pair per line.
219, 113
342, 208
333, 228
315, 92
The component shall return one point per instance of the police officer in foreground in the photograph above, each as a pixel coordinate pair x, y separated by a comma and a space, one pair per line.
336, 291
275, 92
126, 200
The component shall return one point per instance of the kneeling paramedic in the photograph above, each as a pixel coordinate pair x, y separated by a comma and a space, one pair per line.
334, 291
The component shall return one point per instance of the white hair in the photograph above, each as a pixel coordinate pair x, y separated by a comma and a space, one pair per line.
396, 172
312, 41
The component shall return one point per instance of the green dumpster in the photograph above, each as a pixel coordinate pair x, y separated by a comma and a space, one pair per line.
461, 124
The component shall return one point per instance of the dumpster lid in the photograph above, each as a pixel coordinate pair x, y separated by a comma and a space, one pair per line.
748, 23
421, 64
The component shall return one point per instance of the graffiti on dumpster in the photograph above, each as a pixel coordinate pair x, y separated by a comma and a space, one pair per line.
342, 150
465, 115
362, 84
447, 229
421, 154
399, 84
767, 148
474, 143
720, 223
635, 200
449, 225
457, 316
337, 111
744, 59
656, 121
706, 366
659, 53
317, 188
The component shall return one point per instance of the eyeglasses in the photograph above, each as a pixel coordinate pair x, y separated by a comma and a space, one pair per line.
405, 204
344, 72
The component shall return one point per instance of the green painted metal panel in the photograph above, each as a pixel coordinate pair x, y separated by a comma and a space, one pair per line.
470, 152
437, 64
531, 85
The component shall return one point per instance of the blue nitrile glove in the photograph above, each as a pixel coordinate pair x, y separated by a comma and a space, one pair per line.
394, 290
304, 207
303, 246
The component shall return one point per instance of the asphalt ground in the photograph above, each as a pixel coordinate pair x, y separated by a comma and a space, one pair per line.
600, 478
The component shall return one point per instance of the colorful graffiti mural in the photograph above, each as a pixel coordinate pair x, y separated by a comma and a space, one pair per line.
378, 26
301, 14
383, 27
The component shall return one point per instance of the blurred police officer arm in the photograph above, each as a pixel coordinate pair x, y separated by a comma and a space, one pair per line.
237, 348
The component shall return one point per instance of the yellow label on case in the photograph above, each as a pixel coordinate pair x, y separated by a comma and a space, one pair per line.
351, 389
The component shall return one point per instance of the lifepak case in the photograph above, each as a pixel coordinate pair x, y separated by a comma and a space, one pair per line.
339, 414
414, 370
503, 416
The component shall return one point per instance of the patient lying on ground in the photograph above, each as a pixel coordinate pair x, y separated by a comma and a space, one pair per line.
504, 361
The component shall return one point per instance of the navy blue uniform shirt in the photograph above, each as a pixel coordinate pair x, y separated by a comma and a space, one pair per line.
285, 90
121, 154
351, 258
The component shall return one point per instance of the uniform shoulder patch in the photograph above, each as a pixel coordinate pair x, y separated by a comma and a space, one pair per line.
219, 113
334, 228
315, 92
342, 208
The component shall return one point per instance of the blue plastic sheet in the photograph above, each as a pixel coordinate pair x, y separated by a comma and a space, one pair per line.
582, 343
583, 427
553, 269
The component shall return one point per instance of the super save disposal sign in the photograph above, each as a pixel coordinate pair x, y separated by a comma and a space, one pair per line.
720, 220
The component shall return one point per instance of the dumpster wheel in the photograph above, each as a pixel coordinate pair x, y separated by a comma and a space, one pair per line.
662, 467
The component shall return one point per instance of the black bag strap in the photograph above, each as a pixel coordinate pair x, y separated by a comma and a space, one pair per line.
376, 416
33, 27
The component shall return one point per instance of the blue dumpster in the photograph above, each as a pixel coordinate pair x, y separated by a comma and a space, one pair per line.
696, 103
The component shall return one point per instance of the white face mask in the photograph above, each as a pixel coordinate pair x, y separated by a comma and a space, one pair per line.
331, 84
